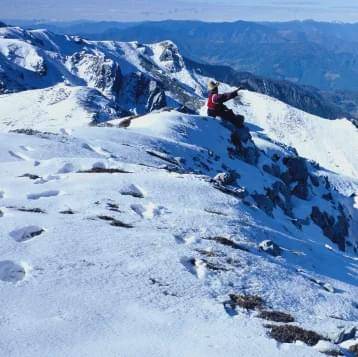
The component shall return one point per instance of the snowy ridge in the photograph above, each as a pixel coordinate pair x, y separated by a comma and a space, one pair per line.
136, 78
331, 143
179, 235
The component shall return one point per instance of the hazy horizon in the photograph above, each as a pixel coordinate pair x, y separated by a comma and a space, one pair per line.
144, 10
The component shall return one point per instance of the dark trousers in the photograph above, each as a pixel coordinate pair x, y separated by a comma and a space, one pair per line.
227, 114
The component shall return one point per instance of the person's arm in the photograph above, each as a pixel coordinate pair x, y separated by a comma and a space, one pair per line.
222, 98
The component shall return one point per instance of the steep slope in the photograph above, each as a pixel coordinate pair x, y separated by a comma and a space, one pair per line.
101, 253
179, 228
331, 143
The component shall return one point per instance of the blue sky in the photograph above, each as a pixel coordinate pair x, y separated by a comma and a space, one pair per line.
211, 10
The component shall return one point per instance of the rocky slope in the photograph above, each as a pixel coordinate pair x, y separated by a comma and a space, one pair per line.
311, 53
133, 78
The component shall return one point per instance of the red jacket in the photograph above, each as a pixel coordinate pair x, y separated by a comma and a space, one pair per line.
216, 100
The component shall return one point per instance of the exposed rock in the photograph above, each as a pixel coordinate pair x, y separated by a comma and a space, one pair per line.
171, 57
31, 176
248, 302
301, 191
67, 211
98, 71
237, 192
245, 147
280, 195
314, 180
328, 196
29, 210
240, 136
270, 247
354, 349
225, 178
147, 93
276, 316
291, 334
272, 169
41, 67
297, 170
186, 110
227, 242
264, 203
335, 229
115, 222
98, 170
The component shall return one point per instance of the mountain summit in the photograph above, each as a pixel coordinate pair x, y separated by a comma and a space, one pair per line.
178, 228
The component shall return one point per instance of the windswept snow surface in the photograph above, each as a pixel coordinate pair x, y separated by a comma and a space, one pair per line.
331, 143
109, 269
52, 108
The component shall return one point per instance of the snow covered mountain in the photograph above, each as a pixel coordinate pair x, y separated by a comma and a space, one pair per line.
178, 235
135, 78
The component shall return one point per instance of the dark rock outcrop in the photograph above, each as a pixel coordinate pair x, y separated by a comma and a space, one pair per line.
270, 247
146, 93
280, 195
171, 56
273, 169
291, 334
225, 178
97, 70
264, 203
245, 146
335, 229
297, 170
301, 191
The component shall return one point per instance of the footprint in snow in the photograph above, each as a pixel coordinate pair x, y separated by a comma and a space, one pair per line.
195, 266
68, 168
148, 211
26, 233
133, 191
97, 150
19, 156
11, 272
26, 148
37, 196
65, 131
186, 239
46, 179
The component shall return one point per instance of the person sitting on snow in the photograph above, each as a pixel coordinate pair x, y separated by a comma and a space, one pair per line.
216, 107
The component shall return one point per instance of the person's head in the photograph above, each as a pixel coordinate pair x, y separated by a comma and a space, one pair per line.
213, 86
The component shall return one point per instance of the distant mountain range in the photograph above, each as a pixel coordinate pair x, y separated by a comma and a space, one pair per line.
309, 99
324, 55
325, 103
